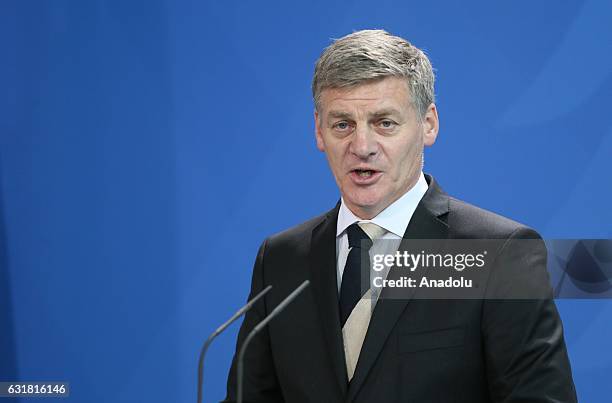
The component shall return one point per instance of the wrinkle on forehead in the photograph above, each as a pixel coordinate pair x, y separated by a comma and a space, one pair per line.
391, 90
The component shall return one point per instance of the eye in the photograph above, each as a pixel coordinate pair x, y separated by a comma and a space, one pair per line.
341, 126
387, 124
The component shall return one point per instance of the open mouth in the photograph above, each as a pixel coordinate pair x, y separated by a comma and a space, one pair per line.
364, 173
365, 176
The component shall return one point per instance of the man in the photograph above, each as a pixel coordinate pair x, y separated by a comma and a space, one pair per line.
374, 113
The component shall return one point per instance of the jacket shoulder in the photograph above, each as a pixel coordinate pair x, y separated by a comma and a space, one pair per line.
298, 235
469, 221
286, 254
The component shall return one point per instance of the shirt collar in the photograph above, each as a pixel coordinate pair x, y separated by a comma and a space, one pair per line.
394, 218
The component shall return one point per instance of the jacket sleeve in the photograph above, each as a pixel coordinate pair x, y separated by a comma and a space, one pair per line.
260, 383
524, 348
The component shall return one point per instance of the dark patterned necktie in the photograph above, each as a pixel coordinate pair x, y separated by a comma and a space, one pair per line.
355, 278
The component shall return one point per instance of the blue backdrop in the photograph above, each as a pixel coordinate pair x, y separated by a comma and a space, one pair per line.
148, 147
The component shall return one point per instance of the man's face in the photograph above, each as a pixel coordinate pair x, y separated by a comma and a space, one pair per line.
374, 142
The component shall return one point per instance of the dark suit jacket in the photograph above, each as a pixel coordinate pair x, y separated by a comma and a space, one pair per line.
415, 350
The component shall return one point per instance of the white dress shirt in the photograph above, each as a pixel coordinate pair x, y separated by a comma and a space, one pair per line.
394, 219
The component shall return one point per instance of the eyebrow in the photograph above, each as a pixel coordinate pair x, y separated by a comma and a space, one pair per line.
339, 115
378, 114
385, 112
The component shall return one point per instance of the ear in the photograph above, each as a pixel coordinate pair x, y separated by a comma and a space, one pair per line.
431, 125
318, 134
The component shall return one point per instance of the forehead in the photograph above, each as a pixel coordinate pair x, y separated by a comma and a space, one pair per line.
390, 92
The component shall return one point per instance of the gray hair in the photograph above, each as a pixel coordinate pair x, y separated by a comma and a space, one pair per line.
374, 54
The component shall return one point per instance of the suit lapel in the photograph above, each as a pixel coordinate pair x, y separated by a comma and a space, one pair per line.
427, 222
324, 283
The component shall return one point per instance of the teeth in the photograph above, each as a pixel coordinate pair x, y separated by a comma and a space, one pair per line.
365, 174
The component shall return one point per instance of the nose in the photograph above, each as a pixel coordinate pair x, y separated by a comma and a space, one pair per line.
363, 144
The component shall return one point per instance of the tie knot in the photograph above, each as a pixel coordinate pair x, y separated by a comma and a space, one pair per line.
357, 237
374, 231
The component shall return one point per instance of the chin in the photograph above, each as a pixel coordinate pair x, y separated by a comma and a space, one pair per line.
364, 201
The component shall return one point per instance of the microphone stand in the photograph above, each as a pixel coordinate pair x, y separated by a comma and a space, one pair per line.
220, 330
289, 299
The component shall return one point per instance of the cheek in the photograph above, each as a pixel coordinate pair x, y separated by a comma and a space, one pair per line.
335, 163
402, 157
335, 154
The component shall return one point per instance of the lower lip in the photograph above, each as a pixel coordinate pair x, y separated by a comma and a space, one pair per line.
365, 180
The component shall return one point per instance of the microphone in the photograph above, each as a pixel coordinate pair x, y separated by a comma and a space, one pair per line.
280, 307
219, 330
